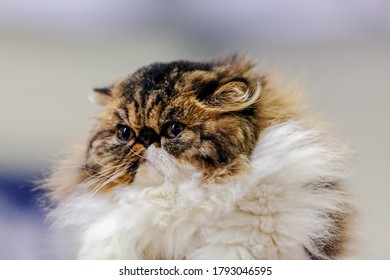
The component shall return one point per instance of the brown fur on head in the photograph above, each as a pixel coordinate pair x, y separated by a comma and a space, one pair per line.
209, 115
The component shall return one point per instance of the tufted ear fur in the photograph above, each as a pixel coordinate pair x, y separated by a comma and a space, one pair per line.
232, 96
100, 96
231, 86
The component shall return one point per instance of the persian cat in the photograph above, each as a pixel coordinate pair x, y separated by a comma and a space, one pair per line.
211, 160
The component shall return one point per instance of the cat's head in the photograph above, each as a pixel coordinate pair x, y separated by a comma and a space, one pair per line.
200, 114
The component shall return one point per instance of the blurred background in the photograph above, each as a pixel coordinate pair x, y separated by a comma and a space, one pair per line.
52, 53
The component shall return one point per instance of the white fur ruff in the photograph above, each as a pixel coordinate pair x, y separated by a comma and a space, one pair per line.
272, 211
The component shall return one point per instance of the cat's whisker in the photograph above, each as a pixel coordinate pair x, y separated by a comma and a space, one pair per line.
66, 167
98, 181
101, 164
113, 177
96, 178
108, 169
107, 173
138, 155
98, 187
91, 182
104, 174
86, 170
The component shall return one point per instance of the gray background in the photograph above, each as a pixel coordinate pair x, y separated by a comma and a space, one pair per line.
52, 53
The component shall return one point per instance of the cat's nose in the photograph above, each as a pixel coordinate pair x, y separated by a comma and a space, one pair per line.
147, 137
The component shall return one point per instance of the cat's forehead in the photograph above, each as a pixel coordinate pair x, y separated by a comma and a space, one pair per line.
161, 78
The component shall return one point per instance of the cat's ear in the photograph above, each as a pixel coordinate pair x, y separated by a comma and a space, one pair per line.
234, 95
101, 96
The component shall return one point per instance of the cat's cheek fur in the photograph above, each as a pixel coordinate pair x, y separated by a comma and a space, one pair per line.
280, 208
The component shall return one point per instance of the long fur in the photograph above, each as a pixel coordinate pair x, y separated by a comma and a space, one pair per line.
279, 208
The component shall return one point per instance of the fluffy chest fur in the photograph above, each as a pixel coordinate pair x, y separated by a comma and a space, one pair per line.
288, 204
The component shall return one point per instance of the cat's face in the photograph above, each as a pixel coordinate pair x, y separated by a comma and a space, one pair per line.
202, 115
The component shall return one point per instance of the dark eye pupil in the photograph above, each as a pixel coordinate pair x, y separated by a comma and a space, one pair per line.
123, 133
176, 129
173, 130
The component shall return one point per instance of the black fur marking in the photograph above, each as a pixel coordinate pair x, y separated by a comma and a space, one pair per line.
171, 114
100, 135
157, 99
105, 91
133, 167
239, 79
210, 161
176, 146
247, 112
203, 91
117, 150
163, 76
153, 103
129, 90
218, 146
136, 105
118, 117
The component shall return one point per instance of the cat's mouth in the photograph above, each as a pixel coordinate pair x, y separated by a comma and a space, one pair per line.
157, 157
156, 167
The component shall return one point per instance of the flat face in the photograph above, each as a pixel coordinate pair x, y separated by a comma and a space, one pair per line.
199, 114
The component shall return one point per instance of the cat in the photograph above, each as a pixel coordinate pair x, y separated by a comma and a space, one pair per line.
208, 160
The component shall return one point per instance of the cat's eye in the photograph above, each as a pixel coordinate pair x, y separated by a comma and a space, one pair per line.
124, 133
172, 130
